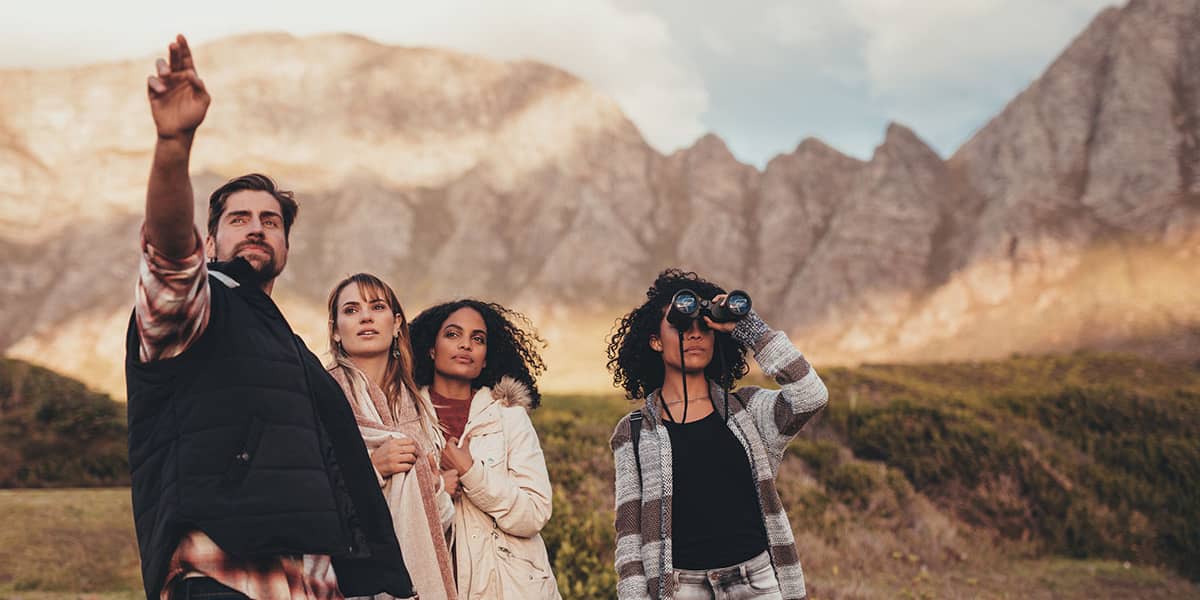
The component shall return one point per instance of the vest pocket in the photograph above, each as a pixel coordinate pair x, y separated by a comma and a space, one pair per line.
239, 465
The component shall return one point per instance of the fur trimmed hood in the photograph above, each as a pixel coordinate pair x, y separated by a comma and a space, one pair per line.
511, 392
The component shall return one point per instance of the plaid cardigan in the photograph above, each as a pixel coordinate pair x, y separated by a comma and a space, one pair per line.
763, 420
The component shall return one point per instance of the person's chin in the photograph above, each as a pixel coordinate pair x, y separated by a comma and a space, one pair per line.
264, 266
364, 352
462, 372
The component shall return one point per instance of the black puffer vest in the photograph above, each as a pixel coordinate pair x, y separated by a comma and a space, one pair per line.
245, 437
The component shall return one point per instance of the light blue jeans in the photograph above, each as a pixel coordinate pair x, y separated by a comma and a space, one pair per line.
754, 578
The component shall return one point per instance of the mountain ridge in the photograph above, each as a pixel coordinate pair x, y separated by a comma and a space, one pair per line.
451, 175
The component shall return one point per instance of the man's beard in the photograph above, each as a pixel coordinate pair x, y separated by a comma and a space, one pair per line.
265, 270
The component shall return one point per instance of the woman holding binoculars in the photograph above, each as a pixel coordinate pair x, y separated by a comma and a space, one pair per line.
697, 511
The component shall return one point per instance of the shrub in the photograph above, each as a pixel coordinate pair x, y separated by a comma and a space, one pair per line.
820, 456
853, 483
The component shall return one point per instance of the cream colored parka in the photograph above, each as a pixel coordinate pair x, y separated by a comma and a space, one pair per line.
498, 549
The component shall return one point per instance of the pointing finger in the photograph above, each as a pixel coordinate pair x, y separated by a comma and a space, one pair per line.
185, 53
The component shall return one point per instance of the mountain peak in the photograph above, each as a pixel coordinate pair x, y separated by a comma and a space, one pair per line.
814, 145
710, 144
900, 139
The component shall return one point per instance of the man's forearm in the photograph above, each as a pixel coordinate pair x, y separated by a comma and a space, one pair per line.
169, 212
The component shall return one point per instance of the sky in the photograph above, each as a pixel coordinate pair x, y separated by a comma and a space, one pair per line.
762, 74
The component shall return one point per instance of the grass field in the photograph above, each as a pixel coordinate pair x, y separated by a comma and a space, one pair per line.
1033, 477
78, 544
68, 543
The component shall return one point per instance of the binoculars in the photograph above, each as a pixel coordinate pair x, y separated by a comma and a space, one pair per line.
688, 306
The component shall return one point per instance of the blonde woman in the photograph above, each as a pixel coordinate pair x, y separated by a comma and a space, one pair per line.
372, 361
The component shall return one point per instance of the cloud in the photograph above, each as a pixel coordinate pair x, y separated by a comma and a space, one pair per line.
945, 66
972, 44
941, 66
626, 52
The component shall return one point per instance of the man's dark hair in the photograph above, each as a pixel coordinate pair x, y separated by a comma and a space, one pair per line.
253, 182
512, 344
637, 368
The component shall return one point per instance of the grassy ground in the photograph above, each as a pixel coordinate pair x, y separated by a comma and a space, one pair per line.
78, 544
67, 543
1034, 477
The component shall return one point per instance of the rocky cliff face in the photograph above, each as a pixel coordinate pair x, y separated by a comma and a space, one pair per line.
1071, 219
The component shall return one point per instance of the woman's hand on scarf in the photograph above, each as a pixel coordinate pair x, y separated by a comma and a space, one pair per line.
395, 456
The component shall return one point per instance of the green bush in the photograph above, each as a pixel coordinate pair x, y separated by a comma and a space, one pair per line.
54, 432
933, 446
820, 456
1088, 455
901, 488
808, 510
1143, 468
853, 483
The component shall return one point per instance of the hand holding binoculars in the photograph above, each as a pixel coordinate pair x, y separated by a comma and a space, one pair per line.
687, 306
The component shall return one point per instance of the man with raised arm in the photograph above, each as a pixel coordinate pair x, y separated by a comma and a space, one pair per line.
250, 478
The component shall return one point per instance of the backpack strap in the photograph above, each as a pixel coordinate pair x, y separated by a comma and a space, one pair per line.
635, 433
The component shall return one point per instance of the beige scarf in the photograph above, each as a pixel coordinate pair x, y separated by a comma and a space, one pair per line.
413, 501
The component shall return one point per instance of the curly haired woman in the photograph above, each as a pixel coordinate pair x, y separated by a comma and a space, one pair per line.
697, 512
477, 366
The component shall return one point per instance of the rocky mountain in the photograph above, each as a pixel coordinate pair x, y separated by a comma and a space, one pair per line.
1072, 219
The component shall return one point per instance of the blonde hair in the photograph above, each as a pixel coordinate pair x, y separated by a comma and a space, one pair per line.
398, 383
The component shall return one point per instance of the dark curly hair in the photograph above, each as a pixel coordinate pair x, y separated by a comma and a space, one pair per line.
512, 344
639, 369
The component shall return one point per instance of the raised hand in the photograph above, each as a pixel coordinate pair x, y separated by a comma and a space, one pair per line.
178, 99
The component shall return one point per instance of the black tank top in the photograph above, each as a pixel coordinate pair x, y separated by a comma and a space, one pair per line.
716, 520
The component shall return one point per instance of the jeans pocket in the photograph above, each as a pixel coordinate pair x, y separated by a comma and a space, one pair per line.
763, 579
